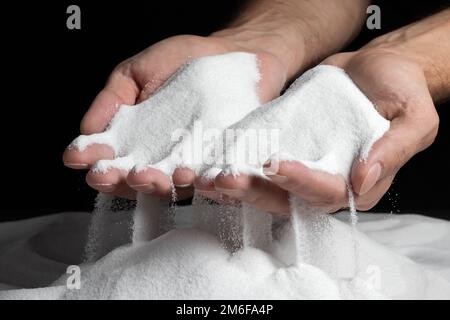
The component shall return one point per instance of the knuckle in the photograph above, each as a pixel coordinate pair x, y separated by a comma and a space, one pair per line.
125, 69
122, 68
401, 157
391, 164
428, 123
433, 129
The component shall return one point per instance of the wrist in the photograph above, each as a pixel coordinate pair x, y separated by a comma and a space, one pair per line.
298, 33
435, 75
426, 44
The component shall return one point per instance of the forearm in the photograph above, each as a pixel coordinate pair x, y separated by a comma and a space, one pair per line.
427, 42
299, 32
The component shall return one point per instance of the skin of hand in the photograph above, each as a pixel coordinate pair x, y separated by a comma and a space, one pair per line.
278, 32
134, 81
401, 78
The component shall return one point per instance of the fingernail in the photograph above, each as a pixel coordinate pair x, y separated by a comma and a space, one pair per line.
76, 165
146, 188
103, 187
270, 168
371, 179
183, 186
235, 193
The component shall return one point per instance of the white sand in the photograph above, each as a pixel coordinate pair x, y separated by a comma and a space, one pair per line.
191, 264
214, 92
419, 242
323, 120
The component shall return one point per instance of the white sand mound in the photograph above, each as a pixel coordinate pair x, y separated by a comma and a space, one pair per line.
191, 264
323, 120
201, 268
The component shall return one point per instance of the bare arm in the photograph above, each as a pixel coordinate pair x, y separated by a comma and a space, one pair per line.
300, 32
427, 42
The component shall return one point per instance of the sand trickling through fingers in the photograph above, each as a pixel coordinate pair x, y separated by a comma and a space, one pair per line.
323, 120
231, 250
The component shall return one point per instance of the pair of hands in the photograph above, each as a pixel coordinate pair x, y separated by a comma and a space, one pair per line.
395, 83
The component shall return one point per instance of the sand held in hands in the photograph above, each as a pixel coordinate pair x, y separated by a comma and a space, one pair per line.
214, 92
323, 120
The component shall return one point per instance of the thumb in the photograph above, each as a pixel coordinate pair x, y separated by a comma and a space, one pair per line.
409, 134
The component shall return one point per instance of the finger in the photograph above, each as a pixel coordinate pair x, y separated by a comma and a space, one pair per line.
149, 87
183, 181
407, 136
150, 181
315, 187
120, 89
371, 198
272, 81
183, 177
256, 191
85, 159
338, 59
111, 182
205, 187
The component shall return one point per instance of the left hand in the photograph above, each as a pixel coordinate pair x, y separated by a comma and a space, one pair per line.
396, 84
137, 78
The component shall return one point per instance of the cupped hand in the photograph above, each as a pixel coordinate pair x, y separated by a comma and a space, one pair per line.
398, 88
135, 80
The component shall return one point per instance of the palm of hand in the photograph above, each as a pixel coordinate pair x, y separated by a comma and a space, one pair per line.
399, 91
134, 81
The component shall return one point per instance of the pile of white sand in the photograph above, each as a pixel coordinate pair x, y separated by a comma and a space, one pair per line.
323, 120
213, 92
190, 263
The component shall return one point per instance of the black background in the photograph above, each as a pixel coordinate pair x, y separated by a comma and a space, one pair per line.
51, 74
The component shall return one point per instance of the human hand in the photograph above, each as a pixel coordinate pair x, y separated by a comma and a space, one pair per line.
402, 76
134, 81
398, 87
287, 36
